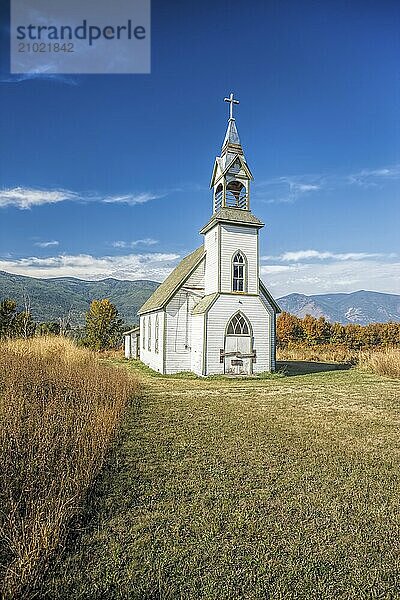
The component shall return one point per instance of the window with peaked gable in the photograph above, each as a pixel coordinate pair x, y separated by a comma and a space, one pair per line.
156, 334
238, 325
239, 272
149, 334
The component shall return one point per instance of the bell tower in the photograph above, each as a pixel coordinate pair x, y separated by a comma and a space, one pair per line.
231, 235
231, 175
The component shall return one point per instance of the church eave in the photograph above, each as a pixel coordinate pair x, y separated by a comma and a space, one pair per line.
204, 305
166, 290
233, 216
269, 297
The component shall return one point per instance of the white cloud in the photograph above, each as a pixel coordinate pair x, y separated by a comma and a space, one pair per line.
47, 244
300, 255
25, 198
374, 177
318, 272
151, 266
132, 199
290, 188
340, 276
39, 75
287, 189
134, 243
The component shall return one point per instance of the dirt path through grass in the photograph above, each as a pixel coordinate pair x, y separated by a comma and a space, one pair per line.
253, 489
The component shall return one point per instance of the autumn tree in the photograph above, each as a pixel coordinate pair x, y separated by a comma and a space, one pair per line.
14, 323
288, 329
103, 327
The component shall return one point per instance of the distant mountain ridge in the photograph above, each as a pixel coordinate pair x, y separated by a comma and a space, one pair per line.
53, 298
361, 307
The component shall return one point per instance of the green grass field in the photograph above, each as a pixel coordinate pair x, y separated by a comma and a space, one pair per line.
246, 489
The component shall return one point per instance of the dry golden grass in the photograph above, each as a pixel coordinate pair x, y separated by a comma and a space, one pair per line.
247, 489
60, 408
322, 353
383, 362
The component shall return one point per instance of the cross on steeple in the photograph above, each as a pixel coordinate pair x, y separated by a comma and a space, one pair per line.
231, 101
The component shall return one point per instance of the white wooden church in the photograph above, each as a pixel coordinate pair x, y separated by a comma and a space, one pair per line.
213, 314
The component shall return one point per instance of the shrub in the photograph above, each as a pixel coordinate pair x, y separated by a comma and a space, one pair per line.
383, 362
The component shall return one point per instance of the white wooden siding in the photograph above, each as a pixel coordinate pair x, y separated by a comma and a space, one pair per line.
127, 346
150, 357
211, 244
196, 364
234, 238
179, 322
260, 319
271, 311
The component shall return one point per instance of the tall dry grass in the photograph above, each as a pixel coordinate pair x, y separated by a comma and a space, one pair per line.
319, 353
60, 409
382, 362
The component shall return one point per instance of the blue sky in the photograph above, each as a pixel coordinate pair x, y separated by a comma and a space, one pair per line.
107, 175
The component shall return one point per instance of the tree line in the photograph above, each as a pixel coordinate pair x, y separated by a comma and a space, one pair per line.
312, 331
103, 326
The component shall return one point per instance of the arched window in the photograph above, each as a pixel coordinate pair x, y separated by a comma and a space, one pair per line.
238, 325
144, 333
156, 334
149, 334
239, 272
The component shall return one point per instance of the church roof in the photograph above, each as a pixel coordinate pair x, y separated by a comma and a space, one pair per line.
232, 135
269, 297
133, 330
204, 304
207, 301
166, 290
233, 215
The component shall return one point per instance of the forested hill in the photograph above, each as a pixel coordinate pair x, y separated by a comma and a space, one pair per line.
51, 299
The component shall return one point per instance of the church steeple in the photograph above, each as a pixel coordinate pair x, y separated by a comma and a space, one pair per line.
231, 175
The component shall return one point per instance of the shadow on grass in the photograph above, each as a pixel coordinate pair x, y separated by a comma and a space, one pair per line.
302, 367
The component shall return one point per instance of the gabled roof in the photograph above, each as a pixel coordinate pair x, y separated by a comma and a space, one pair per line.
273, 303
207, 301
204, 304
238, 216
133, 330
166, 290
224, 163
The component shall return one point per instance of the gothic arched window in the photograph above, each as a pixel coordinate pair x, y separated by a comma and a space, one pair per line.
156, 334
149, 334
238, 325
239, 272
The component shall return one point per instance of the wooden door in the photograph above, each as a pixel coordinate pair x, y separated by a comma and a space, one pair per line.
234, 362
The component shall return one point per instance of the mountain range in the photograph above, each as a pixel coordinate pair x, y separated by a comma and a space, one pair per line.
357, 307
53, 298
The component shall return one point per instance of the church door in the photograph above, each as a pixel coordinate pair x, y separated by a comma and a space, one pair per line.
238, 347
